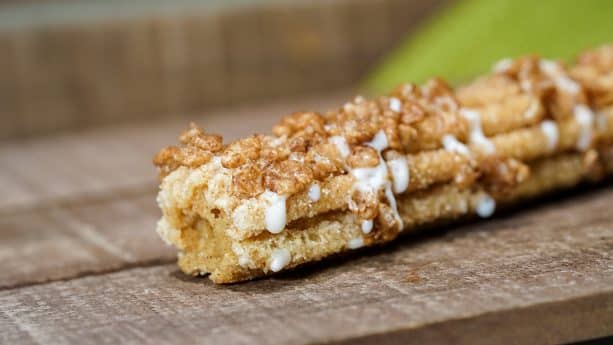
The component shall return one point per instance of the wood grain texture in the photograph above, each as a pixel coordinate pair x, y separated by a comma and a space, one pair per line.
67, 241
543, 275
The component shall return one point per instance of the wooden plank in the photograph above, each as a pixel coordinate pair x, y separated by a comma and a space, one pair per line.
99, 163
544, 275
63, 242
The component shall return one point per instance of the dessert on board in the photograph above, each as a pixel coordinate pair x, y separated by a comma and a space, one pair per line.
374, 169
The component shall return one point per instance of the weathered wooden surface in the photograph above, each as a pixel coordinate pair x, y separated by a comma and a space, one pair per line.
540, 276
80, 262
67, 241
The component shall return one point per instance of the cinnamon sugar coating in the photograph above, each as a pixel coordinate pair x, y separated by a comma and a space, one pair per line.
304, 148
365, 172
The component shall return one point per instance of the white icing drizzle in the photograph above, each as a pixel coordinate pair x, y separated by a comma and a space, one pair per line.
395, 104
399, 168
532, 110
367, 226
553, 70
379, 141
274, 215
244, 261
371, 180
314, 192
502, 65
476, 135
585, 119
486, 205
341, 145
567, 84
279, 259
550, 130
450, 143
392, 201
355, 243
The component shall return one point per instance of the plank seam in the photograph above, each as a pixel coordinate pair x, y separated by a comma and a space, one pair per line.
91, 273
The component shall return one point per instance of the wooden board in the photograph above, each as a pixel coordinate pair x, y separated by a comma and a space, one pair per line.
80, 262
91, 238
540, 276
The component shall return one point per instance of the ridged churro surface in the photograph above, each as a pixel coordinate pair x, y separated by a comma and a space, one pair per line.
363, 173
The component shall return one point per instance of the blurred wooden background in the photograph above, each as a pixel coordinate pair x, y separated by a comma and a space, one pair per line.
79, 64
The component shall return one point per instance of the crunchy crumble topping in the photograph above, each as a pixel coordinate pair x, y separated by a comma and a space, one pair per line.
198, 148
413, 119
595, 71
549, 81
600, 58
300, 153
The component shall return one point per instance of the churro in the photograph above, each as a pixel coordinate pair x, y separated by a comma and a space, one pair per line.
371, 170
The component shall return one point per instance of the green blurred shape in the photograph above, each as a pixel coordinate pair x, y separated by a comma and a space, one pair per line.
468, 37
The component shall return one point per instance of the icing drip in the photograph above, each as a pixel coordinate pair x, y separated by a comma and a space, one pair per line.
341, 145
355, 243
379, 142
450, 143
476, 135
367, 226
486, 205
244, 261
562, 82
372, 180
550, 129
568, 85
400, 174
395, 104
279, 259
392, 201
274, 215
585, 119
314, 192
503, 65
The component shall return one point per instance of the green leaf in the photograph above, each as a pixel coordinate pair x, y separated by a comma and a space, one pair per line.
467, 38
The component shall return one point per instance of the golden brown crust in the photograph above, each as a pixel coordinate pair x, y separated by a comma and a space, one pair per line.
481, 139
